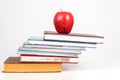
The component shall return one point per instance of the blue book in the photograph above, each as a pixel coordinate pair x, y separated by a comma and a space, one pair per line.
54, 47
46, 53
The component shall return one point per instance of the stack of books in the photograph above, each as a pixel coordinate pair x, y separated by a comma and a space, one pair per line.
49, 53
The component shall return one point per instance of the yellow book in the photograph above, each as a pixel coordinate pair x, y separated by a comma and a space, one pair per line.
13, 64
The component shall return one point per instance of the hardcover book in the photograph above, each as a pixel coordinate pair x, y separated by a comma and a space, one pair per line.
13, 64
73, 37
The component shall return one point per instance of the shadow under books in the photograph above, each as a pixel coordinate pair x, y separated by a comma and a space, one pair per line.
91, 65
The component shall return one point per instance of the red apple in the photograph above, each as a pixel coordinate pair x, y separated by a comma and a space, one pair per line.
63, 22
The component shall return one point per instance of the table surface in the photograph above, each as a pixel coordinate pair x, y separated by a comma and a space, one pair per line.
90, 68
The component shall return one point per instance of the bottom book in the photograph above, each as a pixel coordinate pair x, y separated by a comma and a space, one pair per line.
13, 64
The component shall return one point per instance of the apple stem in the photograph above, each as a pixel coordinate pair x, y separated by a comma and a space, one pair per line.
61, 10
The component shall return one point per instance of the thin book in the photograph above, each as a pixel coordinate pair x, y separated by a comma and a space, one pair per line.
33, 58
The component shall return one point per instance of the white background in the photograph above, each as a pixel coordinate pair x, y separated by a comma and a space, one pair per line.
20, 19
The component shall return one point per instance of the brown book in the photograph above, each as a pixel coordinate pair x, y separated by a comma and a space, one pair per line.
73, 37
13, 64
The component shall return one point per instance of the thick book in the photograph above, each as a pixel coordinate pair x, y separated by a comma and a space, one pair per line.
73, 37
13, 64
33, 58
38, 42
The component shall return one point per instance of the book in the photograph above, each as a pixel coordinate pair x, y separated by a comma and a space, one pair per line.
19, 52
54, 47
50, 50
33, 58
36, 41
73, 37
13, 64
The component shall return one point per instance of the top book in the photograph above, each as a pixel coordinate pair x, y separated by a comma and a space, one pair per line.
73, 37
